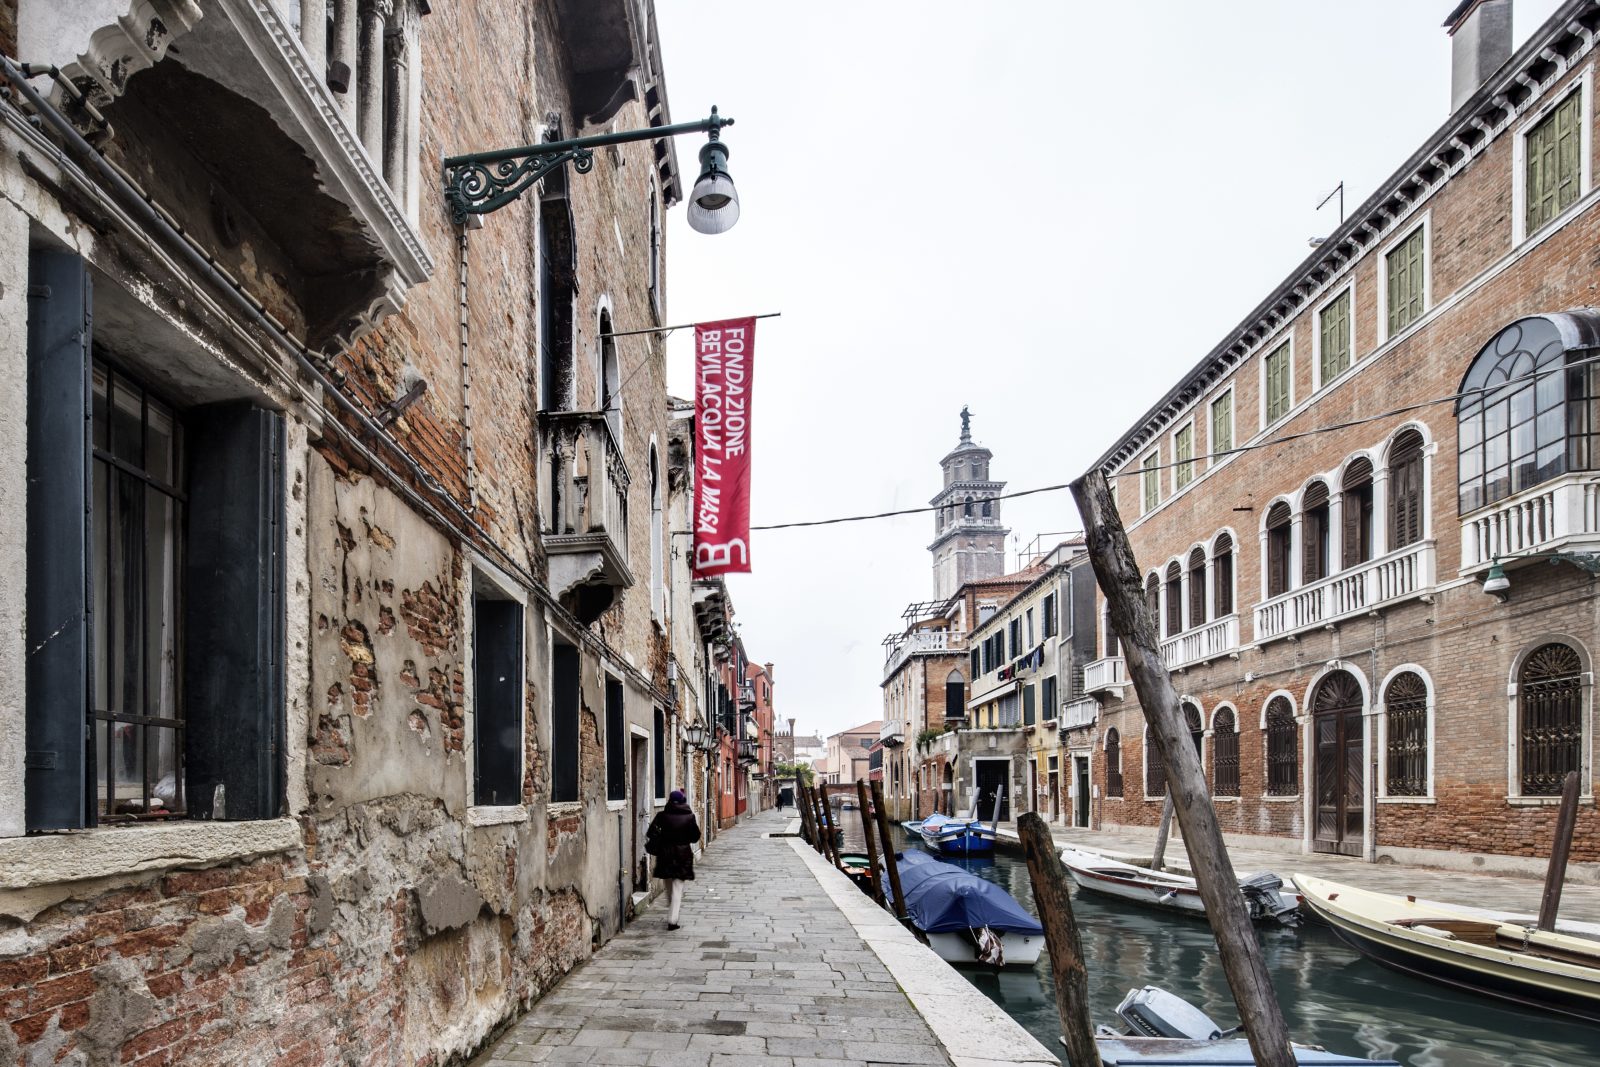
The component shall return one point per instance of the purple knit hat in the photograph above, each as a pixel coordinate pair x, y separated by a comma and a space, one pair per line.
677, 797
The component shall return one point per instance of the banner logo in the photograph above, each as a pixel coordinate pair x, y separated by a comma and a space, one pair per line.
722, 374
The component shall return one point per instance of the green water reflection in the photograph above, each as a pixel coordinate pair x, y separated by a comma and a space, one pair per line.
1331, 995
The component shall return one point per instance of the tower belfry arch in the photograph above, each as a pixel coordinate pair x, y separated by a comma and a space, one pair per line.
969, 540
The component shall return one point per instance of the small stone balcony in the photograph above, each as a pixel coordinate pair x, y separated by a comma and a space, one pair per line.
1212, 640
1109, 675
585, 510
1395, 576
1084, 711
1559, 515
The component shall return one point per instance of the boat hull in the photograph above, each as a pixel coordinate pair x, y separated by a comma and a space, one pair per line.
960, 843
1021, 950
1367, 922
1156, 889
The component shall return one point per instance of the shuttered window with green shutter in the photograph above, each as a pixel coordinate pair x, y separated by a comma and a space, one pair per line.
1183, 455
1277, 386
1152, 480
1221, 425
1553, 168
1333, 326
1406, 266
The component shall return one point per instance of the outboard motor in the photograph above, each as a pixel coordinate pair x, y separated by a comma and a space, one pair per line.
1153, 1012
1262, 897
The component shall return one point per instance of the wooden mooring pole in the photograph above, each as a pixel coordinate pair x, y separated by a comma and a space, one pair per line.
804, 805
1159, 856
868, 833
889, 861
1054, 900
1118, 575
831, 831
1556, 875
818, 831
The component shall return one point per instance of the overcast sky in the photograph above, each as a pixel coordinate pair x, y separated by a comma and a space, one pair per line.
1047, 211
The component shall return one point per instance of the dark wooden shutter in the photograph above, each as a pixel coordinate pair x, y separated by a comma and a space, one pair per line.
658, 753
1197, 587
1314, 533
1028, 714
233, 613
1405, 490
564, 742
1222, 575
1277, 552
1355, 514
1174, 599
58, 629
497, 701
617, 742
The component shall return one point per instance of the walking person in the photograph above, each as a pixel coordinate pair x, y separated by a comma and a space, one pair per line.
670, 839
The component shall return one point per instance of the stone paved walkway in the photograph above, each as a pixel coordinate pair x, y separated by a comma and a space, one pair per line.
765, 970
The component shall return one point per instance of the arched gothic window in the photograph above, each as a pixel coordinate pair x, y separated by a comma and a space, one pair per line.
1283, 749
1113, 763
1406, 502
1222, 575
1225, 755
1197, 587
1278, 547
955, 696
1405, 702
1197, 728
1174, 598
1522, 420
1155, 768
1355, 514
1314, 533
1549, 718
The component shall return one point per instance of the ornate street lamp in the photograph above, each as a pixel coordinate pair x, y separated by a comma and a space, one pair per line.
695, 734
480, 182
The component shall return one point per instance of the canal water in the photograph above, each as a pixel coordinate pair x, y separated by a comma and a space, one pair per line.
1331, 995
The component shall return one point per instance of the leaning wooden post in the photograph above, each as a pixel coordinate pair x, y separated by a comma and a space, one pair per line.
1159, 856
818, 831
1054, 901
868, 832
1556, 875
803, 804
832, 834
824, 831
1118, 575
889, 861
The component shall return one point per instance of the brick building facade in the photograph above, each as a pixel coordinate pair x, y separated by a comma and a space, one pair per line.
373, 624
1318, 502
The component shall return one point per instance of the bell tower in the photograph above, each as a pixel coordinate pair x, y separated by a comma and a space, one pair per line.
968, 540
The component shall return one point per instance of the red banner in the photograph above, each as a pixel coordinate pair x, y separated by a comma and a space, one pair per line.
722, 373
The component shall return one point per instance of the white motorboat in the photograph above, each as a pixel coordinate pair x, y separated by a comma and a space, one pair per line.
1264, 893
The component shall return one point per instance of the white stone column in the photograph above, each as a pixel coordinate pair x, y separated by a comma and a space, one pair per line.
1296, 547
344, 52
314, 34
1380, 512
14, 516
397, 107
369, 76
1335, 534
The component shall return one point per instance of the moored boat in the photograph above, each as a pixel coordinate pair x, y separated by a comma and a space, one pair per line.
1264, 894
967, 920
954, 837
1534, 968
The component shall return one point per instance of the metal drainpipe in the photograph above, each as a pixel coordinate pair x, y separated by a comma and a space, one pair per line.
466, 381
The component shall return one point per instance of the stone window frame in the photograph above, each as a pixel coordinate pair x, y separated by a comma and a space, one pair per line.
1113, 734
1424, 223
1238, 760
1299, 721
1583, 86
1150, 481
1185, 469
480, 570
1514, 795
1285, 345
1347, 290
1380, 738
1222, 396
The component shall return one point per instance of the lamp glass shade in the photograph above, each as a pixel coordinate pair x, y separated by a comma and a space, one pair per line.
1496, 582
694, 734
714, 203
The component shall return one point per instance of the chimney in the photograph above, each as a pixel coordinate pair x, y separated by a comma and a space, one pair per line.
1480, 44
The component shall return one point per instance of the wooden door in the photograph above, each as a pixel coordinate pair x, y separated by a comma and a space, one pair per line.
1339, 788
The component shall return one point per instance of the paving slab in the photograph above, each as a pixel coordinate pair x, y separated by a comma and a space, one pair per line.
772, 967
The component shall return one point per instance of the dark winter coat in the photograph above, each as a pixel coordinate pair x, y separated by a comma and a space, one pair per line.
673, 833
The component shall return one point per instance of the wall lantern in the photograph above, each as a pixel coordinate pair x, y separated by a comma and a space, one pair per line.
695, 734
1497, 585
478, 183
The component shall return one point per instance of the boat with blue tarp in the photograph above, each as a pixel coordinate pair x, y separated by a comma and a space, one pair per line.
967, 920
954, 837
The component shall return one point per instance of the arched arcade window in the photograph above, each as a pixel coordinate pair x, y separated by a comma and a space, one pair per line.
1549, 718
1523, 419
1224, 754
1405, 702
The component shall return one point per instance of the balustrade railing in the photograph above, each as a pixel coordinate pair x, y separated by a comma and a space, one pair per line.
920, 641
1079, 713
1103, 674
1405, 572
1542, 518
1219, 637
589, 486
